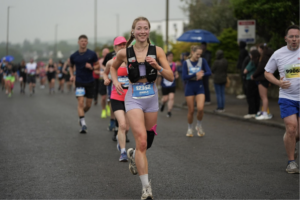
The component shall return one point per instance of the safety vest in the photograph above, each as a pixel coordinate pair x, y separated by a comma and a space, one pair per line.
133, 65
193, 69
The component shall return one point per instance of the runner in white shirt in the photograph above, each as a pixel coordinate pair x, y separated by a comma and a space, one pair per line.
31, 73
287, 61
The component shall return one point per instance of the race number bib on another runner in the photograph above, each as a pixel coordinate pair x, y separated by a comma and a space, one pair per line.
125, 80
292, 71
80, 91
143, 90
194, 70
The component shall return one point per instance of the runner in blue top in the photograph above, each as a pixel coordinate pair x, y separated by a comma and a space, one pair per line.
168, 88
86, 61
193, 71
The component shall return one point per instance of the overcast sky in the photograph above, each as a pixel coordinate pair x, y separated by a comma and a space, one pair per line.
30, 19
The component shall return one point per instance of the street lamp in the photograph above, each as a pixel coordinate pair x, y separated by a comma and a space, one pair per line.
55, 45
95, 23
167, 25
117, 24
7, 33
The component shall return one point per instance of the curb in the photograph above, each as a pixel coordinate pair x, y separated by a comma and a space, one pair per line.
236, 117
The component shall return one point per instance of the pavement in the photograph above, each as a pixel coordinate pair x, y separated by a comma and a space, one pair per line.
235, 108
43, 156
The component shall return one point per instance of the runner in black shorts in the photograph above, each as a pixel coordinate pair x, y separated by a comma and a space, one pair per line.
67, 75
61, 76
23, 76
85, 61
51, 75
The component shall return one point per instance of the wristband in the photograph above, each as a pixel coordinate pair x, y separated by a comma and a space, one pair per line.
161, 70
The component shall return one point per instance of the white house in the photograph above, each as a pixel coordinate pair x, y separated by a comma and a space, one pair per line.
176, 28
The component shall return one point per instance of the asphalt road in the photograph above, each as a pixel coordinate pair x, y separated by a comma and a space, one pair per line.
42, 155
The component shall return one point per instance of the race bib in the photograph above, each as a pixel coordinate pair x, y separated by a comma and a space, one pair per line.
143, 90
167, 83
292, 71
60, 75
32, 72
125, 80
194, 70
80, 91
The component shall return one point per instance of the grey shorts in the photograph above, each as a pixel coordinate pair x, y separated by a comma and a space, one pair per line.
146, 105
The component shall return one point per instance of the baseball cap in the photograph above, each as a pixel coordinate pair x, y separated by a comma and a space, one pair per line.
119, 40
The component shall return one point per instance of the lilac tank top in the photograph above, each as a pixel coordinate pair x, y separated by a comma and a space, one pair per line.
142, 69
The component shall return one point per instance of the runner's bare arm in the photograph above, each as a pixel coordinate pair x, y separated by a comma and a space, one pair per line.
106, 72
120, 58
96, 65
281, 83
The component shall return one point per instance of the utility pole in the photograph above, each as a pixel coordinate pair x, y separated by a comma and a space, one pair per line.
55, 45
95, 24
7, 33
167, 25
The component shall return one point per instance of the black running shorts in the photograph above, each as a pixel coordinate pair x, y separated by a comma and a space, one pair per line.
102, 88
167, 90
88, 87
117, 105
31, 79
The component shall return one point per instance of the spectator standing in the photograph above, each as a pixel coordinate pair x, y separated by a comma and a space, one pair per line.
242, 55
252, 94
263, 83
219, 70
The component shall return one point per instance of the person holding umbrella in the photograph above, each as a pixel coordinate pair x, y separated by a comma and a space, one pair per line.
193, 71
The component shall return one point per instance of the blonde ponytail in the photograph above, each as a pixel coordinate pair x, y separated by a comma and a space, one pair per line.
130, 40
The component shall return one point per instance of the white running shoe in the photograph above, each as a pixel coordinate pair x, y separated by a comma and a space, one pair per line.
200, 131
189, 133
132, 165
147, 192
292, 168
249, 116
264, 117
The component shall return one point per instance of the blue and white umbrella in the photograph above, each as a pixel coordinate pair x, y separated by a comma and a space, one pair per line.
7, 58
198, 35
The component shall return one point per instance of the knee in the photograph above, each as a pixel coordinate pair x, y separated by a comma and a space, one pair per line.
191, 112
142, 144
81, 104
291, 130
122, 126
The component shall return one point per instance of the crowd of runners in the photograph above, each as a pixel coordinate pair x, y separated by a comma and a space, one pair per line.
127, 80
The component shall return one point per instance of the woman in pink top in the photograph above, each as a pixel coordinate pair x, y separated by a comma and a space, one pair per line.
117, 100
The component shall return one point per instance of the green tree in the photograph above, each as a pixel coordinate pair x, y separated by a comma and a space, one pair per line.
229, 46
272, 17
213, 16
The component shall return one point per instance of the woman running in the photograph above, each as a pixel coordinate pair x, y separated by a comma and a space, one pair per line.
193, 71
61, 77
9, 77
42, 74
141, 100
51, 69
168, 88
23, 75
67, 75
117, 101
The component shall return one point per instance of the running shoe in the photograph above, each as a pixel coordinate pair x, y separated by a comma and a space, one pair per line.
263, 117
83, 129
103, 114
132, 166
292, 168
249, 116
147, 192
200, 131
114, 138
189, 133
169, 114
162, 107
123, 157
108, 110
9, 95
